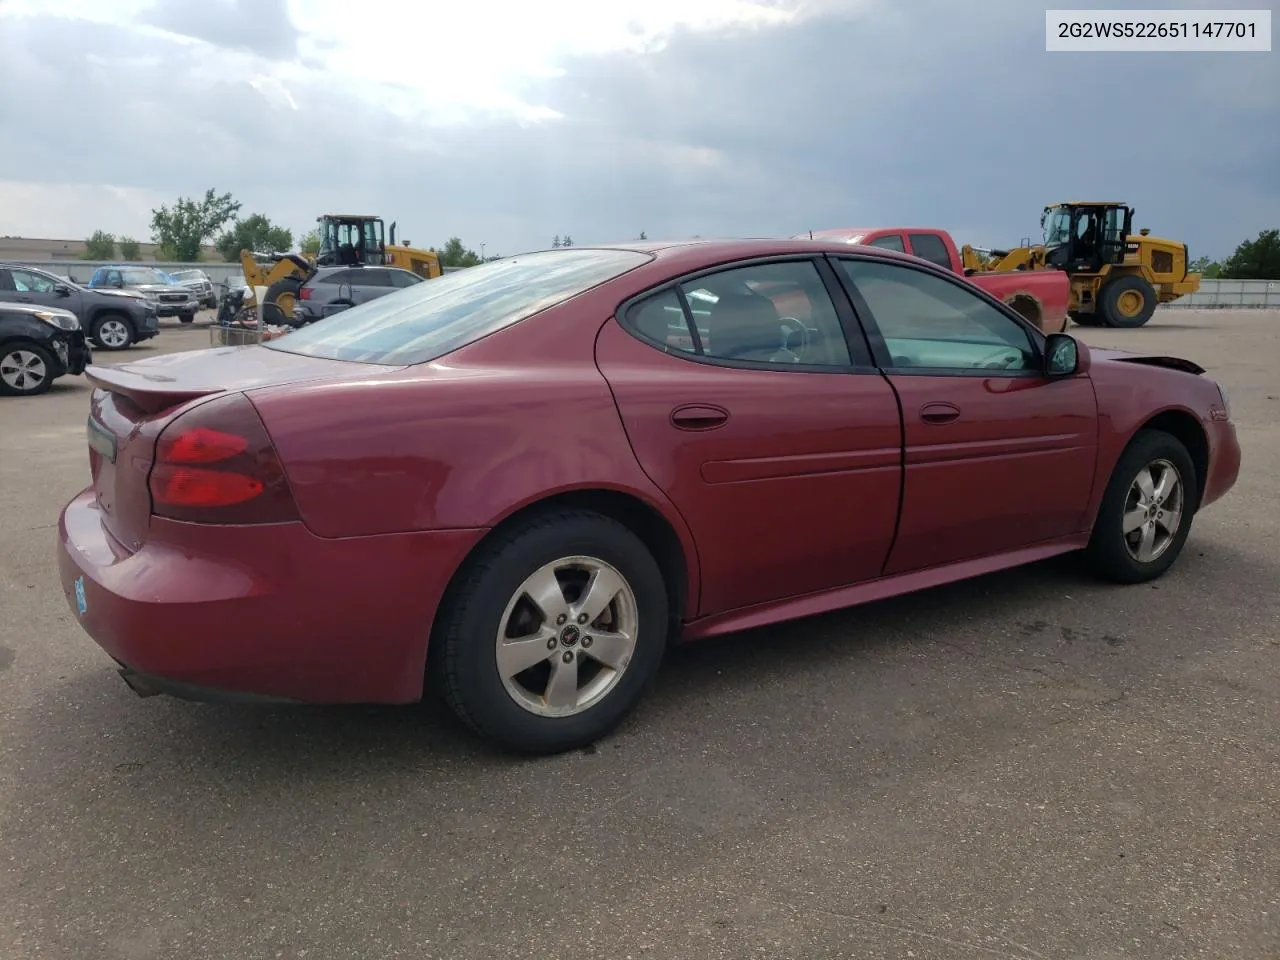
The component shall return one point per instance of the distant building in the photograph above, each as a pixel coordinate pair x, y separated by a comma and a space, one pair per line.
31, 248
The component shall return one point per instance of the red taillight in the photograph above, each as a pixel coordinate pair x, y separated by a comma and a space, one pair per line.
216, 464
304, 293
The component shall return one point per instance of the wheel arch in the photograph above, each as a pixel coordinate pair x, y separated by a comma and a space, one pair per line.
663, 535
666, 537
1185, 427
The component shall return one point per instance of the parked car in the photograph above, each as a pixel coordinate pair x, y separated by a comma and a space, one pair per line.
114, 319
171, 299
1042, 296
334, 289
511, 483
198, 282
37, 346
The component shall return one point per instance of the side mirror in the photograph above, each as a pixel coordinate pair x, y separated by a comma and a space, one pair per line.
1065, 356
62, 290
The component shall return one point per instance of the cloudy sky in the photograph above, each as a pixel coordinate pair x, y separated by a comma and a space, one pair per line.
507, 121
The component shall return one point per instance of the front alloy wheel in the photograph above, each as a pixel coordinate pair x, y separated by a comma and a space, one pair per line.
1146, 510
24, 371
112, 333
1153, 511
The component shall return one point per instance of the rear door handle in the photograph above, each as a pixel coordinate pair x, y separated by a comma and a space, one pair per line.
698, 416
939, 412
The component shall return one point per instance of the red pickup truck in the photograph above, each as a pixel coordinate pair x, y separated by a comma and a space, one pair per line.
1039, 295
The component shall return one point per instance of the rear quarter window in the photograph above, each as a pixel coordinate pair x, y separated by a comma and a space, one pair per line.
430, 319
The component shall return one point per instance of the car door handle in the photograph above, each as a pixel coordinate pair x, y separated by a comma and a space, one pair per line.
939, 412
698, 416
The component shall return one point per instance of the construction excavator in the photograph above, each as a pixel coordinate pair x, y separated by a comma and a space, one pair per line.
353, 240
1117, 279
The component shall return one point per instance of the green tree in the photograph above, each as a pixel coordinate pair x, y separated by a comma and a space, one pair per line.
1209, 269
100, 246
130, 249
555, 242
184, 229
1255, 259
309, 244
642, 236
454, 254
567, 241
255, 233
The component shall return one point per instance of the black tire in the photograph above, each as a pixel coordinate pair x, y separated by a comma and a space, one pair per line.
271, 312
1109, 301
1085, 319
187, 318
20, 351
105, 319
463, 662
1108, 553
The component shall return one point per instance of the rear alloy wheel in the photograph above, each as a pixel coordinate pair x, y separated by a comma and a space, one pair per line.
25, 370
554, 633
112, 332
1146, 511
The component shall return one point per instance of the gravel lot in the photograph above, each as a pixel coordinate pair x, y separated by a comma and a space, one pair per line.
1030, 765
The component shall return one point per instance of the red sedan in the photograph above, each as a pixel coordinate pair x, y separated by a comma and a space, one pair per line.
519, 482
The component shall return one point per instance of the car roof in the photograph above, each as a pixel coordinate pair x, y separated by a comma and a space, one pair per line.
683, 255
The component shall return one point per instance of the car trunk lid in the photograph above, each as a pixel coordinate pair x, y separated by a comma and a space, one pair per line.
134, 402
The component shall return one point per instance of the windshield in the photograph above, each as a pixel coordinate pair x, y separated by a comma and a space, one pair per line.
182, 275
140, 275
432, 318
1057, 226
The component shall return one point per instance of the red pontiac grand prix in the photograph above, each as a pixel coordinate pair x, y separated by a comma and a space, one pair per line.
517, 483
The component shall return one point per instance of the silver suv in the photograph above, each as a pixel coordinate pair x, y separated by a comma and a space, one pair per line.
171, 299
199, 283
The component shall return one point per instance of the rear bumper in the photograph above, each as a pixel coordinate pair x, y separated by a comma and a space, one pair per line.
259, 612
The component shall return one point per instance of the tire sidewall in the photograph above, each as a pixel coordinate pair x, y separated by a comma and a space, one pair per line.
1107, 543
471, 638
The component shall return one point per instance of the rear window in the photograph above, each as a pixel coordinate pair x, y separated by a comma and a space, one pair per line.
430, 319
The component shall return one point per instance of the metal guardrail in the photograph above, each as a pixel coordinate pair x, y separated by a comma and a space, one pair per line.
1232, 295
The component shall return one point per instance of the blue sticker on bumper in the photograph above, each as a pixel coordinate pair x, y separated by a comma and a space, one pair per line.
81, 605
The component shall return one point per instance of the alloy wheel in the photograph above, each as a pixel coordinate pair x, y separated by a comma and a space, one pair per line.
1153, 511
23, 370
114, 333
566, 636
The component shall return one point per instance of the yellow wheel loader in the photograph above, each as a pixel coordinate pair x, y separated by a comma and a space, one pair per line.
345, 240
1117, 279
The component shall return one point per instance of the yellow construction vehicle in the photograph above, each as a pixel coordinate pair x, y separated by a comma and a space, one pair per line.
1117, 279
345, 240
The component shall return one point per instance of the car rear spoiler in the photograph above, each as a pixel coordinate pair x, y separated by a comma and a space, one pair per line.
151, 394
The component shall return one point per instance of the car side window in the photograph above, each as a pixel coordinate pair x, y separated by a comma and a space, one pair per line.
6, 280
891, 242
338, 276
931, 323
929, 246
26, 282
376, 278
403, 278
662, 320
772, 313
